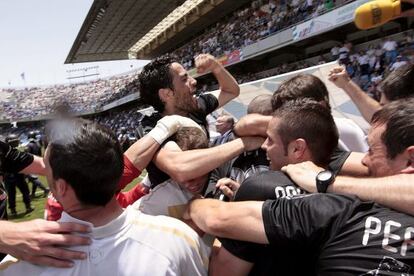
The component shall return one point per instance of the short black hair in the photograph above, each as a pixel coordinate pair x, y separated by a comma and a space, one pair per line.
301, 86
399, 84
155, 76
398, 117
88, 157
310, 120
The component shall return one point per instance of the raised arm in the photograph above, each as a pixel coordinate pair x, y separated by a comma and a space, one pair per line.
366, 105
229, 89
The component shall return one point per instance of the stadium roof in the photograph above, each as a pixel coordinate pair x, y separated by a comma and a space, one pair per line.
122, 29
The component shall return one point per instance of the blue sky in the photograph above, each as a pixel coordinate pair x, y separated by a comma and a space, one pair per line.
35, 38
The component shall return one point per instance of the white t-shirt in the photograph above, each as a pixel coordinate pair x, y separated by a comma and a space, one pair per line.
389, 45
168, 199
132, 244
363, 59
351, 136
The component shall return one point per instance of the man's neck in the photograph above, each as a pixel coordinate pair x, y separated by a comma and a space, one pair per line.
174, 111
97, 215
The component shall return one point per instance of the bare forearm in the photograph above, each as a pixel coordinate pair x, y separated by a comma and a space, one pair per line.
142, 152
396, 192
252, 125
353, 165
36, 167
366, 105
235, 220
186, 165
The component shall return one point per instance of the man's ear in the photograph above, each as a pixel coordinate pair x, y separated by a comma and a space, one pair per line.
165, 94
297, 148
409, 156
61, 187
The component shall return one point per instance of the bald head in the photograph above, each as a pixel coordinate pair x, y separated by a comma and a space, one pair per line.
261, 104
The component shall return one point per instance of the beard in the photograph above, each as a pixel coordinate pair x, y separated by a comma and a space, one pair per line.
186, 104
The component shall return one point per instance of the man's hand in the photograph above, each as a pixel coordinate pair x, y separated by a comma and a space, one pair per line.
252, 142
38, 241
168, 125
206, 63
228, 186
339, 77
303, 174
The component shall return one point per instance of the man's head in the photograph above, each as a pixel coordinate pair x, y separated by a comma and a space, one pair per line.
166, 85
391, 140
224, 123
300, 130
84, 163
301, 86
261, 104
189, 138
399, 84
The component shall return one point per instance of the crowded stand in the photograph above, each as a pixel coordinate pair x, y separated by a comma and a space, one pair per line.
250, 24
35, 102
288, 188
366, 64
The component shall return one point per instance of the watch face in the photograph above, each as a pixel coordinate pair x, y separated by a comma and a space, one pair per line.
324, 175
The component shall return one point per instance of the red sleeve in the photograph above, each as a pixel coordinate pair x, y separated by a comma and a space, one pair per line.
53, 209
127, 198
129, 174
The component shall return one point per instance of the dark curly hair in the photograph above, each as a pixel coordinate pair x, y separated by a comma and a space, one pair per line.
155, 76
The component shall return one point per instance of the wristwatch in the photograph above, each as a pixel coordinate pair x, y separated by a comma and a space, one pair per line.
323, 180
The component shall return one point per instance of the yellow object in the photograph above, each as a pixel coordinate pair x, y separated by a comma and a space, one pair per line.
376, 13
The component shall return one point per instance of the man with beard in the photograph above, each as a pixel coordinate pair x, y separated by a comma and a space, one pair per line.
166, 85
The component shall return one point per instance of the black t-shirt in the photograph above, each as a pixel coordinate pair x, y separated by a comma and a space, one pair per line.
207, 103
13, 160
323, 234
340, 235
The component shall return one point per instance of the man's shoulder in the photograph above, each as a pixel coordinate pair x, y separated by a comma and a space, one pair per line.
167, 198
159, 229
166, 236
268, 177
267, 185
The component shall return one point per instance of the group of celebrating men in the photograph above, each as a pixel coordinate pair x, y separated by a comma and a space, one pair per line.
302, 202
